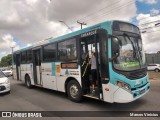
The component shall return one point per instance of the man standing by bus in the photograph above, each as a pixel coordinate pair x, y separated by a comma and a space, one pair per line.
93, 71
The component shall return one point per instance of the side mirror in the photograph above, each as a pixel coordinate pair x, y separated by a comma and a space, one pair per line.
115, 47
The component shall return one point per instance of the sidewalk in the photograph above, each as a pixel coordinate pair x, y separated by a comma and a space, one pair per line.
153, 75
154, 79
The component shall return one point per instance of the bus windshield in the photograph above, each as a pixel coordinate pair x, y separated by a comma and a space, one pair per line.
131, 56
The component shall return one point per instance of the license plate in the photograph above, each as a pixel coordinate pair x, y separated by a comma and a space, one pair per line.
142, 91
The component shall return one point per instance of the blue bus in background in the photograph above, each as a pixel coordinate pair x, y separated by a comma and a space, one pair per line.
62, 63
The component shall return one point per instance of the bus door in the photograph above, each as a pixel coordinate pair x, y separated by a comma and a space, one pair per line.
18, 69
88, 45
37, 66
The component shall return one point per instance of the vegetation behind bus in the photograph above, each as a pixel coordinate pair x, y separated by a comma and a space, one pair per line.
6, 61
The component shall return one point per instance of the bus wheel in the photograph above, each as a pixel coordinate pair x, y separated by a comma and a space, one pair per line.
28, 82
74, 91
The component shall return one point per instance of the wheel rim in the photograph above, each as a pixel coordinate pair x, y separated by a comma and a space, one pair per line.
74, 91
156, 70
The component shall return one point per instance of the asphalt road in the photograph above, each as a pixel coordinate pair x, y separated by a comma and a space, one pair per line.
38, 99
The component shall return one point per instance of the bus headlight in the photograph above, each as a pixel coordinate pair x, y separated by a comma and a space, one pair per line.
124, 85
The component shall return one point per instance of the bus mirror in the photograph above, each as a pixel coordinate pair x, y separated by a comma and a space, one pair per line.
116, 45
115, 48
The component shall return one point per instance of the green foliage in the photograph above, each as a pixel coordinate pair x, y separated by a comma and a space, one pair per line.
6, 61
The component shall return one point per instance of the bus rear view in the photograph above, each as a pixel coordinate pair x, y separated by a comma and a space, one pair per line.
128, 74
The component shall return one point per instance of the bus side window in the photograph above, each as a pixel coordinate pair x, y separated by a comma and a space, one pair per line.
67, 50
23, 57
49, 52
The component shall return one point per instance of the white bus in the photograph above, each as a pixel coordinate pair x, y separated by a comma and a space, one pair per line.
62, 63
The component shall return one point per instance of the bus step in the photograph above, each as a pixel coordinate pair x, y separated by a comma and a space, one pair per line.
91, 96
38, 85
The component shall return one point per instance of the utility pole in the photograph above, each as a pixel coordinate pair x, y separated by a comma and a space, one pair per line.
81, 24
12, 57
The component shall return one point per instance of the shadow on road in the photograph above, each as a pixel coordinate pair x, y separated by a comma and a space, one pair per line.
3, 94
115, 106
101, 105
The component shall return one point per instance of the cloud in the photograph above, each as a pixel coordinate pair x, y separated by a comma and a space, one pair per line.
31, 21
8, 42
89, 12
152, 1
150, 35
149, 1
154, 11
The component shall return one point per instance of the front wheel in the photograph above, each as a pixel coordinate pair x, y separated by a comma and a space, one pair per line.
74, 91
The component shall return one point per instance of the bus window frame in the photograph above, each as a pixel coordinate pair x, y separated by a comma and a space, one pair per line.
31, 61
101, 34
42, 53
24, 62
14, 58
67, 60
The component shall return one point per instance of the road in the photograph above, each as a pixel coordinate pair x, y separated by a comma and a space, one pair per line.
38, 99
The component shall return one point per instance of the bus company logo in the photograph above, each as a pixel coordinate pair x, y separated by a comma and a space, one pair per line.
137, 83
6, 114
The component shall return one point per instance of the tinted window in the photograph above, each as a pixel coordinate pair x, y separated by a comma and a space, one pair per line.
23, 57
49, 53
67, 50
152, 65
29, 56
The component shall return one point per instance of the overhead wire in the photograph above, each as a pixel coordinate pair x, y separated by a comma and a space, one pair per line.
92, 13
151, 31
108, 13
104, 14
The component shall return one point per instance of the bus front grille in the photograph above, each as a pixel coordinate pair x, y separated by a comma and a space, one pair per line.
136, 74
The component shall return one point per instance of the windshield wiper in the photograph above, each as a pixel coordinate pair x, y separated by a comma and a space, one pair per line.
139, 51
130, 41
134, 49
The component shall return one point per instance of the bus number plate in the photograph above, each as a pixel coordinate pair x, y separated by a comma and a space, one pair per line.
142, 91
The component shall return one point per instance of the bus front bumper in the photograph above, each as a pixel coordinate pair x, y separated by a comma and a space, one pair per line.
123, 96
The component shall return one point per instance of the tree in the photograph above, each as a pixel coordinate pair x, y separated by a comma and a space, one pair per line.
6, 61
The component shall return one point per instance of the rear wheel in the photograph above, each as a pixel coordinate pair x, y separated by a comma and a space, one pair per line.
28, 82
74, 91
156, 70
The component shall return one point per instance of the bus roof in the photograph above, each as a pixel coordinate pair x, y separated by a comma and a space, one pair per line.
93, 27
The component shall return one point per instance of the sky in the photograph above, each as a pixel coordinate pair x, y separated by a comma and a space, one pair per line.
24, 22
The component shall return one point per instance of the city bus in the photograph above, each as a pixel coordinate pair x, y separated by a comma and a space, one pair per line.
62, 63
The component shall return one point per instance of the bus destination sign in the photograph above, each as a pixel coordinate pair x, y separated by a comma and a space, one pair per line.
69, 65
90, 33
